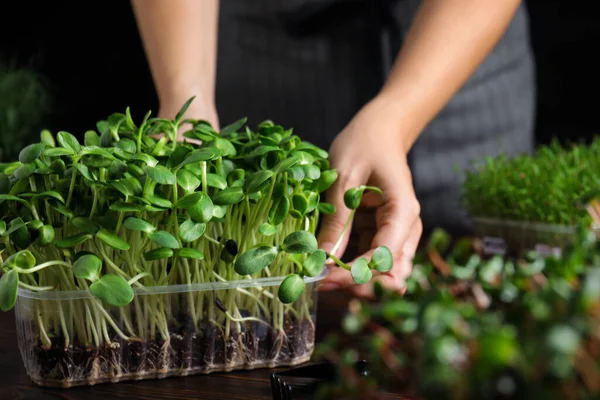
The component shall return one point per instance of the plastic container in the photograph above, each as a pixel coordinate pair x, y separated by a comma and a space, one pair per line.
70, 339
506, 237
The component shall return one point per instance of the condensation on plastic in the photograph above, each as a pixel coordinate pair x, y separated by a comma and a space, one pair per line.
71, 339
516, 237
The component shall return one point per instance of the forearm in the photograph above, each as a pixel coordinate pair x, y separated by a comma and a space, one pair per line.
180, 40
446, 42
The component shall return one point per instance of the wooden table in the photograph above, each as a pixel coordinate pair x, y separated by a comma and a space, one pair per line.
15, 384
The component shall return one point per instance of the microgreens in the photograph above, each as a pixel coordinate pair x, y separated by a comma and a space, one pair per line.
131, 208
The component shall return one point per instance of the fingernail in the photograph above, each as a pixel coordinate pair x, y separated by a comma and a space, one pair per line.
329, 286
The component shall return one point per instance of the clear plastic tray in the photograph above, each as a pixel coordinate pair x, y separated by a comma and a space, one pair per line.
517, 237
70, 339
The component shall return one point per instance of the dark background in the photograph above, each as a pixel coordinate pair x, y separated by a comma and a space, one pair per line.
92, 56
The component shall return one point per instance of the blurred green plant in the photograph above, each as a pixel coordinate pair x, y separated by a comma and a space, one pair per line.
539, 188
24, 103
469, 327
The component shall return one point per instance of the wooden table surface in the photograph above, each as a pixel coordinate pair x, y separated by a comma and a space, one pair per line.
15, 384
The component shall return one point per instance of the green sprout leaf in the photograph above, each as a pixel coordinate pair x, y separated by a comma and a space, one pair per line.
68, 141
187, 180
291, 288
267, 229
9, 285
230, 129
158, 254
216, 181
73, 241
285, 164
85, 225
46, 235
299, 242
352, 198
87, 267
31, 153
326, 180
382, 259
137, 224
91, 138
255, 260
161, 175
164, 239
113, 290
229, 196
313, 266
202, 211
112, 240
193, 254
360, 271
190, 231
257, 180
47, 138
279, 211
5, 184
22, 259
201, 155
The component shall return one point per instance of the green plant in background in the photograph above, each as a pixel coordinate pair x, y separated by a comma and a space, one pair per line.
474, 328
24, 103
127, 209
539, 188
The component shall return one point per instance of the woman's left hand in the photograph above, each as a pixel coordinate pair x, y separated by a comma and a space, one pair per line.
371, 151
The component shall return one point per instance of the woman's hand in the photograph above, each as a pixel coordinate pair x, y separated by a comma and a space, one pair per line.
371, 151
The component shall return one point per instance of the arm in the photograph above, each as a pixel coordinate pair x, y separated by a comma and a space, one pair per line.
180, 40
446, 42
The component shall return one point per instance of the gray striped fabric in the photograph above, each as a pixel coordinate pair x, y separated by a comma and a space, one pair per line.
278, 62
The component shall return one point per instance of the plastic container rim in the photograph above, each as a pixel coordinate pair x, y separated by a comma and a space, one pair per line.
167, 289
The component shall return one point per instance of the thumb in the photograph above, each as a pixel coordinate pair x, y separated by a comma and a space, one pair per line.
333, 226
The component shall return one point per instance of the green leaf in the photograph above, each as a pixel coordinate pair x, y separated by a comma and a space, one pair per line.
24, 171
58, 152
146, 159
158, 254
68, 141
187, 180
262, 150
226, 148
159, 201
8, 197
112, 240
50, 194
31, 153
73, 241
229, 196
184, 109
61, 208
267, 229
255, 260
22, 259
113, 290
216, 181
382, 259
296, 173
193, 254
9, 286
87, 267
312, 172
200, 155
257, 180
360, 271
564, 339
219, 211
47, 138
352, 198
291, 288
91, 138
85, 172
303, 157
47, 235
122, 206
137, 224
313, 266
85, 224
326, 180
229, 129
190, 230
300, 204
299, 242
279, 211
285, 164
4, 183
161, 175
164, 239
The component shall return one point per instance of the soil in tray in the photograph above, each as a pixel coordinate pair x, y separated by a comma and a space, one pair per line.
202, 351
